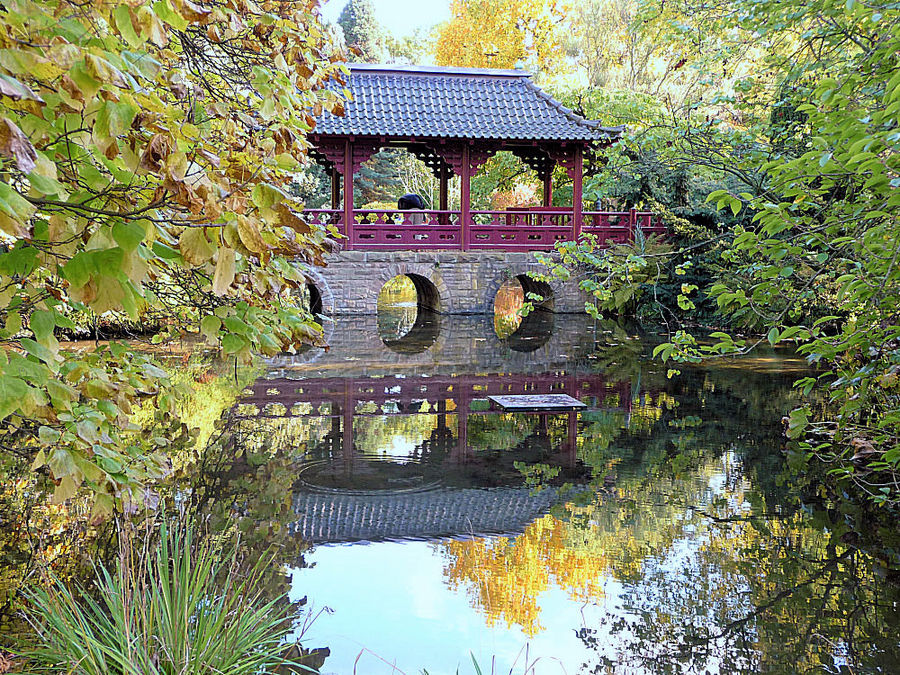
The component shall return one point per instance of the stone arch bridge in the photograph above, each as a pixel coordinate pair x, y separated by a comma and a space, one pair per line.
447, 282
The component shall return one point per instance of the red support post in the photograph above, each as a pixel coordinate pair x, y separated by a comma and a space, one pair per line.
464, 197
335, 189
443, 197
347, 422
576, 194
462, 421
548, 189
572, 438
632, 223
348, 194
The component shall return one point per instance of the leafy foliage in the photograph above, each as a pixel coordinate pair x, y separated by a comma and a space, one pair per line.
501, 34
791, 131
146, 151
361, 29
184, 607
825, 226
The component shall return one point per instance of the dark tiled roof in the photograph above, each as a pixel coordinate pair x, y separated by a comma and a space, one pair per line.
418, 515
433, 102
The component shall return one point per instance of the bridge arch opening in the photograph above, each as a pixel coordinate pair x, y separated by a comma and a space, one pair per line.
409, 313
533, 330
310, 298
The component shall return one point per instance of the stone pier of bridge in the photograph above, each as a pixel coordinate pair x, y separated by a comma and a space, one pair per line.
448, 282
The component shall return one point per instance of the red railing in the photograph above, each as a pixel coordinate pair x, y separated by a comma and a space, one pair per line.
344, 392
534, 229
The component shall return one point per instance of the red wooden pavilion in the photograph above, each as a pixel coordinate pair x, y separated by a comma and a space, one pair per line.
454, 119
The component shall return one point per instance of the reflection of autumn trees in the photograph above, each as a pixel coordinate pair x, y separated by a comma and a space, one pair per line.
579, 546
760, 594
36, 536
674, 449
723, 567
505, 577
504, 431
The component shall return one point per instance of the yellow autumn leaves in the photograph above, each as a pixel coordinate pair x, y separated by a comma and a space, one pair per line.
501, 34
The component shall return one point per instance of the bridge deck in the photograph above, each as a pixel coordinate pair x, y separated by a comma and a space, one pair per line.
526, 229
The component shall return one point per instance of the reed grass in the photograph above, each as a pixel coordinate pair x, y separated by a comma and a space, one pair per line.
181, 607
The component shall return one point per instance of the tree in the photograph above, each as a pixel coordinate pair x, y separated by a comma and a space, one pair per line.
145, 151
501, 34
807, 141
603, 44
362, 30
828, 224
378, 179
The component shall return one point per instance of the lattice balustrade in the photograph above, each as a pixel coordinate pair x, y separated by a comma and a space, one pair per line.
526, 229
328, 396
537, 159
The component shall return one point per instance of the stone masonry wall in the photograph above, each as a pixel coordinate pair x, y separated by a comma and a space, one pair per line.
466, 282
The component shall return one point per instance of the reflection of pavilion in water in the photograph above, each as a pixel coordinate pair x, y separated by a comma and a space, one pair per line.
407, 444
343, 399
343, 495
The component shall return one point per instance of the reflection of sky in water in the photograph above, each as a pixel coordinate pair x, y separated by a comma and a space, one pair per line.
389, 600
391, 605
688, 528
399, 449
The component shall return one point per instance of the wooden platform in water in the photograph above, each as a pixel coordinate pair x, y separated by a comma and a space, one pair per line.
537, 402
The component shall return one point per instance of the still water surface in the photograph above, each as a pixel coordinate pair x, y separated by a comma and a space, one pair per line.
659, 531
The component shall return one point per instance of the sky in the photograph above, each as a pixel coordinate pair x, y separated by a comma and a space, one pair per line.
400, 17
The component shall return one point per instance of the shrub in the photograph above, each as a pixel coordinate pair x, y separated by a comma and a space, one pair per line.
182, 608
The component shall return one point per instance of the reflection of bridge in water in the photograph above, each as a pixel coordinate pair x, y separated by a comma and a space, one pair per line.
442, 513
452, 480
461, 396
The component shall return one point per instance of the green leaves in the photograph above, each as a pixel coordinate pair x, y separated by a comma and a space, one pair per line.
125, 26
113, 119
723, 197
267, 196
195, 247
135, 189
12, 391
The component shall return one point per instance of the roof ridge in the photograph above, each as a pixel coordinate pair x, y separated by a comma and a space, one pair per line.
436, 70
568, 112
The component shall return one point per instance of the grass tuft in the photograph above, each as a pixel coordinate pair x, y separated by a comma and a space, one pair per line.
179, 608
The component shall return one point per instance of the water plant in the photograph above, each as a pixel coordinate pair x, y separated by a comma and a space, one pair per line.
183, 605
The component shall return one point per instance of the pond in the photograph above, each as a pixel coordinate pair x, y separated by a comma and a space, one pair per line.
660, 530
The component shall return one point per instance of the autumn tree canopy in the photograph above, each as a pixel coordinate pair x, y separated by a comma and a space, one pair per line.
501, 34
145, 149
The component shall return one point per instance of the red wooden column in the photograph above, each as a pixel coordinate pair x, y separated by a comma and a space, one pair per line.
464, 196
548, 188
462, 420
572, 440
577, 217
443, 197
443, 200
347, 423
348, 194
335, 188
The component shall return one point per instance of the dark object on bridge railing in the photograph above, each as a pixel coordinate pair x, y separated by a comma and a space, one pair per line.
410, 201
